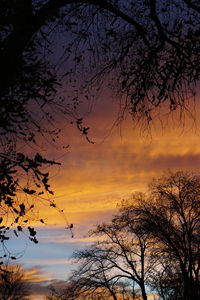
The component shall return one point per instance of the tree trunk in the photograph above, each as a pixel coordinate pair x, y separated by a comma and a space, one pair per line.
144, 295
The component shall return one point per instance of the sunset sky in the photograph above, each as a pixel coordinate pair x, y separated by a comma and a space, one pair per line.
94, 178
77, 77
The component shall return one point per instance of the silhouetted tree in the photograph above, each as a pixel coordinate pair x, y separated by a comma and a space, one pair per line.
126, 250
12, 283
150, 53
152, 242
171, 215
121, 254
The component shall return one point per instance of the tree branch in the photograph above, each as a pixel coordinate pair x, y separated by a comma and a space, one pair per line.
49, 9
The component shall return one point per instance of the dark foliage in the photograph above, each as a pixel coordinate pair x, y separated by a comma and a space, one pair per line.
22, 182
148, 51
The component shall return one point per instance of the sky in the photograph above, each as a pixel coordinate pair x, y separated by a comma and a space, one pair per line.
94, 178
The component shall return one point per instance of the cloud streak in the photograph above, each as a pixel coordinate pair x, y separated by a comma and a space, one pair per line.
93, 179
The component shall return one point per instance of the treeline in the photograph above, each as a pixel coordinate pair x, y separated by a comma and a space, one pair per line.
152, 245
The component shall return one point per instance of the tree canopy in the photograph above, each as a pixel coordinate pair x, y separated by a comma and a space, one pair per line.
147, 50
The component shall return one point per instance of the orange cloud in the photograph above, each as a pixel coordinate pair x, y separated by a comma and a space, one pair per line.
35, 275
94, 178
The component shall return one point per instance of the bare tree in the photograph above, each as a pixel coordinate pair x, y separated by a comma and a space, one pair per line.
121, 255
127, 249
171, 215
12, 283
152, 242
